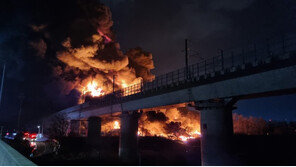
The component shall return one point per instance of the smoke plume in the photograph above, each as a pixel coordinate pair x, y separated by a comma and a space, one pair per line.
62, 51
95, 57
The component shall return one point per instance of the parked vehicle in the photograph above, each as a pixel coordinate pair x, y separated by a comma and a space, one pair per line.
43, 145
10, 135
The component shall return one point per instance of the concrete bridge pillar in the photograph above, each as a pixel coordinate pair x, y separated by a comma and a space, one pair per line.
217, 132
94, 130
128, 142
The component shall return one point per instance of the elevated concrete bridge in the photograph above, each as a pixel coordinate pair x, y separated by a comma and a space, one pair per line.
214, 85
274, 78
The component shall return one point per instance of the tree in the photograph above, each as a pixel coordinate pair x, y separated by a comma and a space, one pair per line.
249, 125
58, 127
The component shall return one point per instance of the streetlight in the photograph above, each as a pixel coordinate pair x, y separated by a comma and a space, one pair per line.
2, 83
1, 131
21, 98
38, 129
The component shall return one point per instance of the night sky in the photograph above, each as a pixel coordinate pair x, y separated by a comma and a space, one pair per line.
162, 26
157, 26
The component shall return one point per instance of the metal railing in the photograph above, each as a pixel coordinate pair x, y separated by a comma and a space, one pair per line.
225, 61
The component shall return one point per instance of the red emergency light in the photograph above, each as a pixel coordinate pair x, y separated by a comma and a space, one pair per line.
33, 135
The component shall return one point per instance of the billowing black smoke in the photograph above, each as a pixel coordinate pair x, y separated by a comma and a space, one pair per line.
153, 116
52, 48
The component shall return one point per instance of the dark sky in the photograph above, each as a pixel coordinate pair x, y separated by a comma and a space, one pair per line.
158, 26
275, 108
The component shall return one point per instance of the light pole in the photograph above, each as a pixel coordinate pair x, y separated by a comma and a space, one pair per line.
2, 83
38, 129
1, 132
21, 98
42, 127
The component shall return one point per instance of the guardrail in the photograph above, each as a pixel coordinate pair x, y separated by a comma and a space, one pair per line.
227, 61
10, 157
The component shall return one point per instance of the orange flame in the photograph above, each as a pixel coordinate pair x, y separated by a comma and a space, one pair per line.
93, 89
189, 127
183, 138
116, 125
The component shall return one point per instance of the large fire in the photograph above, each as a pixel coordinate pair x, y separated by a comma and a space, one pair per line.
116, 125
93, 89
175, 123
94, 64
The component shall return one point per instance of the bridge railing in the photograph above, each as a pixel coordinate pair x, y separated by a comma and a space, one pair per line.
255, 54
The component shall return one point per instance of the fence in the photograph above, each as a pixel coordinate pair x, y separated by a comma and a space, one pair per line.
255, 54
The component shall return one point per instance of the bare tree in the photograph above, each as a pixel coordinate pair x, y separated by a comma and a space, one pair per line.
249, 125
58, 127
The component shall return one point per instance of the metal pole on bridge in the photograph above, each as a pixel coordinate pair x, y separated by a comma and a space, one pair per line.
186, 58
222, 58
284, 44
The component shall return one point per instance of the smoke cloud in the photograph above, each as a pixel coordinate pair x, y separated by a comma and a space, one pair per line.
58, 48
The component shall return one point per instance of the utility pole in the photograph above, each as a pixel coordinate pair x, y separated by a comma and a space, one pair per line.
38, 129
1, 132
186, 58
21, 97
2, 83
42, 126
